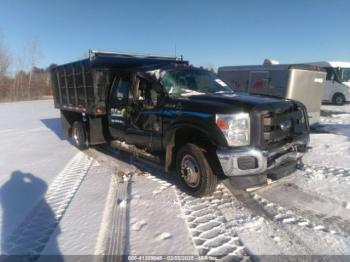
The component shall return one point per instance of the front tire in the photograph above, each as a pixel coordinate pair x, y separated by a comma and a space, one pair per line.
79, 135
338, 99
195, 174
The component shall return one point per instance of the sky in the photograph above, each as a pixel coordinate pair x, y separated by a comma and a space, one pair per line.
207, 33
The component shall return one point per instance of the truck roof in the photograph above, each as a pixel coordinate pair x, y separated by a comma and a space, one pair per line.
272, 67
120, 59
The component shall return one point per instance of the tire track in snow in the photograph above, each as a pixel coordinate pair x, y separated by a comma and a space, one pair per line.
207, 225
339, 175
314, 170
31, 236
257, 209
275, 212
286, 216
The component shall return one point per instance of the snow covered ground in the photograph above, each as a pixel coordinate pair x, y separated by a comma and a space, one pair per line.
52, 196
57, 200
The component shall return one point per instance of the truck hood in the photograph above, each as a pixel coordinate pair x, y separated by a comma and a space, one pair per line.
236, 102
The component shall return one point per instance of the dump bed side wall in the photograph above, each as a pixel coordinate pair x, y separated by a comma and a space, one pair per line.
79, 87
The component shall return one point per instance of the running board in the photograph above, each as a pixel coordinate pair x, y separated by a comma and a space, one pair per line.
135, 151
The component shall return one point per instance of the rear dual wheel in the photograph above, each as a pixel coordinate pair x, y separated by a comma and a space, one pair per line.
194, 171
79, 135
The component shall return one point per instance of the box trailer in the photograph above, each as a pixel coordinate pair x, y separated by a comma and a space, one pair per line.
304, 83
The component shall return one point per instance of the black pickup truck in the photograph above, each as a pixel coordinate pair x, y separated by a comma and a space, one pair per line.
185, 116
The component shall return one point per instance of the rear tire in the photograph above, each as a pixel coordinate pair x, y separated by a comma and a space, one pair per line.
194, 172
338, 99
79, 135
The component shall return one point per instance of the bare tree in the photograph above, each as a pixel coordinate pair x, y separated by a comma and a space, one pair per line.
5, 61
34, 56
18, 78
5, 57
25, 80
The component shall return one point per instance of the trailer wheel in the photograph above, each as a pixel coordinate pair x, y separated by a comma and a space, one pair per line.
194, 171
79, 135
338, 99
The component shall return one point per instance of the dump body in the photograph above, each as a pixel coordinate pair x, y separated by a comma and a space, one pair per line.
299, 82
83, 86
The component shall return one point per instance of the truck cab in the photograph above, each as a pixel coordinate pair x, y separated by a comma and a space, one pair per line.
194, 123
337, 88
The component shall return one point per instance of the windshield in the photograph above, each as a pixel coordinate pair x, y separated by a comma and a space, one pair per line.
344, 74
193, 82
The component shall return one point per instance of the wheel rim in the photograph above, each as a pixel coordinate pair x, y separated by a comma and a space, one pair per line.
339, 100
190, 171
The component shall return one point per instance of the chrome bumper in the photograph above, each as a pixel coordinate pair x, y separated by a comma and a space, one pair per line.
266, 160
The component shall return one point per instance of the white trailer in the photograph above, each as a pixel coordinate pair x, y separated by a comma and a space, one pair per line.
301, 82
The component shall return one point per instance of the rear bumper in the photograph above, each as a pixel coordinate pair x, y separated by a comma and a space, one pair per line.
261, 161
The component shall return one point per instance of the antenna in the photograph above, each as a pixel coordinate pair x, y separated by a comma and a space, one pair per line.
175, 50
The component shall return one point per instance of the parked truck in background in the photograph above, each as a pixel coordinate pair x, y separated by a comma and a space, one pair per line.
186, 117
301, 82
337, 87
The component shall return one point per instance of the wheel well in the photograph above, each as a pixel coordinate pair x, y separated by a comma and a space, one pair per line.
337, 94
183, 136
68, 118
191, 135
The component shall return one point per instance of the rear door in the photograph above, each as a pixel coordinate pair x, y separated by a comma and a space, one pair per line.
118, 107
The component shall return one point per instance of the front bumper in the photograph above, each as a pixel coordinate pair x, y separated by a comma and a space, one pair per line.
347, 97
264, 160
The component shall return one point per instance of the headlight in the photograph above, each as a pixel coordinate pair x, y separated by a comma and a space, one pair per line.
236, 128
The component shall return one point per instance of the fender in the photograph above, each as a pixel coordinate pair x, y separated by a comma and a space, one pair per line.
208, 128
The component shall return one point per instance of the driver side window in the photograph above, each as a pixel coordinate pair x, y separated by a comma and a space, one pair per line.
146, 93
120, 93
330, 74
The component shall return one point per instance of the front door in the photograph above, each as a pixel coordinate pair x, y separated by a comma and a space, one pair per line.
330, 85
118, 107
145, 122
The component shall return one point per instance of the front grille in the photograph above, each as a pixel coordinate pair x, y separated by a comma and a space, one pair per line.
279, 128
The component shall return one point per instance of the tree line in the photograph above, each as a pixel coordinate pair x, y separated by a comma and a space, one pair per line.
20, 77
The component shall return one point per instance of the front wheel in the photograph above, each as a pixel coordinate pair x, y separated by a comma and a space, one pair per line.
194, 172
339, 99
79, 135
